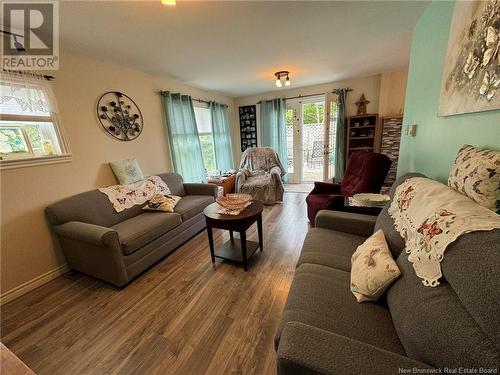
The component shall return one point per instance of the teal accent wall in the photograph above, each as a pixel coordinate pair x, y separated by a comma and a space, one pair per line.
433, 149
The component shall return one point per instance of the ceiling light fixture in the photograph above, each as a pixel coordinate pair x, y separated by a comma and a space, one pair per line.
282, 75
168, 2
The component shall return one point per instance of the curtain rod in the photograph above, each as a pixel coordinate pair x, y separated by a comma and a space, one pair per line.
303, 96
162, 93
293, 97
44, 76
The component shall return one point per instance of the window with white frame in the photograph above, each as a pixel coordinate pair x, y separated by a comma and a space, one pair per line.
204, 125
29, 131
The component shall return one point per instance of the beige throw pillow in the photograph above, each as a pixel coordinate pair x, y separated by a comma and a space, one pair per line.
165, 203
373, 268
476, 173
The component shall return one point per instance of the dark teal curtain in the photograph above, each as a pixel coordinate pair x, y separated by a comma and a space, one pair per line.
272, 127
183, 137
222, 137
340, 133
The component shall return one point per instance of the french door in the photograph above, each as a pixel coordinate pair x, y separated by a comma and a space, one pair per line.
310, 130
330, 123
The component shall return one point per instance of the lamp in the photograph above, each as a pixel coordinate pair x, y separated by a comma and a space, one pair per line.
168, 2
282, 75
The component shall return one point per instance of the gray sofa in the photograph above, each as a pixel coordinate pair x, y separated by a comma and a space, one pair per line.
325, 331
116, 247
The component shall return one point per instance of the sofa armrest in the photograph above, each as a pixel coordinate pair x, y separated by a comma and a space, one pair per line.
305, 349
90, 233
200, 189
348, 222
325, 188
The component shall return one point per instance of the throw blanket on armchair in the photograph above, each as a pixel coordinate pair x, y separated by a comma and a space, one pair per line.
260, 175
430, 216
126, 196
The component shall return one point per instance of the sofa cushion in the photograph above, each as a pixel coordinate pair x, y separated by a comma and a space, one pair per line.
373, 268
92, 207
444, 328
394, 240
478, 253
385, 222
191, 205
320, 297
476, 173
175, 183
144, 228
329, 248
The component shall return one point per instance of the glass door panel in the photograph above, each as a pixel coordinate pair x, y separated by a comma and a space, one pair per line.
313, 139
330, 128
293, 140
289, 139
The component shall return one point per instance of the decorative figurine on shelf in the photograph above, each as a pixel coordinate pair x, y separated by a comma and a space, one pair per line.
362, 103
119, 116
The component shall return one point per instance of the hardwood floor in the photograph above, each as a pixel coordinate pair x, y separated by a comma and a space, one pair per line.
183, 316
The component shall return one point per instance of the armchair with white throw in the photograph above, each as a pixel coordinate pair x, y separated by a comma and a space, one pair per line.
260, 175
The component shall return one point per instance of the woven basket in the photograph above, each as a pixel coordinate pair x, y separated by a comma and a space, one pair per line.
234, 201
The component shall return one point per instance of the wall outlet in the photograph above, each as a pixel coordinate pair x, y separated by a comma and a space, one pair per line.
411, 130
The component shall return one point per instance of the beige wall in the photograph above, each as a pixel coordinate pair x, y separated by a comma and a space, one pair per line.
392, 92
370, 86
386, 93
27, 251
26, 248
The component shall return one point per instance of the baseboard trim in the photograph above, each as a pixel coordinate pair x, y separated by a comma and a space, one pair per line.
28, 286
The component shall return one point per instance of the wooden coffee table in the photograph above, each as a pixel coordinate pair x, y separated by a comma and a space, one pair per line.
235, 250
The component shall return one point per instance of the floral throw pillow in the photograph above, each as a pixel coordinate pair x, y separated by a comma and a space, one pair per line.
372, 268
127, 171
476, 173
165, 203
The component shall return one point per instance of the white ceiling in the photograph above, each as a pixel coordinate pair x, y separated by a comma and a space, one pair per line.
235, 47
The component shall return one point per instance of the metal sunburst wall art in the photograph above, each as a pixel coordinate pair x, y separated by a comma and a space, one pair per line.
119, 116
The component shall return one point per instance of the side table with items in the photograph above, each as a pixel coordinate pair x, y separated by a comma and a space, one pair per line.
226, 182
352, 205
236, 250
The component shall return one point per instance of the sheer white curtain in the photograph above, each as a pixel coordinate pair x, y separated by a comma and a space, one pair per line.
28, 118
26, 93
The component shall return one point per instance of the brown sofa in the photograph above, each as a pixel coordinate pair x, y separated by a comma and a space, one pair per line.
116, 247
456, 325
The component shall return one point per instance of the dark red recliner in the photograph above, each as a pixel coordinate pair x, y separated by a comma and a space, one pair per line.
365, 173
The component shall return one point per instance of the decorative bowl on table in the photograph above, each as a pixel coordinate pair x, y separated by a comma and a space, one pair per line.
235, 202
370, 199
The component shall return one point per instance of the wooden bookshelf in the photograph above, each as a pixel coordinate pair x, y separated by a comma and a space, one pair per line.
363, 133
